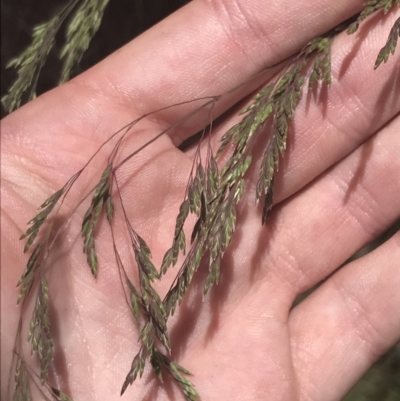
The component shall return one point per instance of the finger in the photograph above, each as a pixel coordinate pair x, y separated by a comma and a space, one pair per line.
318, 229
204, 48
352, 203
344, 116
327, 128
308, 237
208, 47
56, 133
345, 325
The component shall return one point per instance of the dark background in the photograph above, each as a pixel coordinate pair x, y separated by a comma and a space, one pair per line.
123, 20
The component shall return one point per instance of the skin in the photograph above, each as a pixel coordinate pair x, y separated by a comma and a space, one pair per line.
335, 192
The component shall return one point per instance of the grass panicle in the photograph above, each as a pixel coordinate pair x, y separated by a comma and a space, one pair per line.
138, 365
22, 391
30, 62
179, 242
161, 362
27, 278
45, 209
148, 298
37, 222
390, 46
80, 31
100, 199
39, 330
213, 193
278, 101
135, 302
23, 372
371, 7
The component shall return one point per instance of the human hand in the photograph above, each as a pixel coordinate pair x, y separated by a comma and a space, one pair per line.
335, 193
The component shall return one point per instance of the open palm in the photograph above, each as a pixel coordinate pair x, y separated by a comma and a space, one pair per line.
335, 193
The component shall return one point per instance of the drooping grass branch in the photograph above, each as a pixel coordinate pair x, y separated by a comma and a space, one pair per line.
80, 31
30, 62
384, 6
212, 194
390, 46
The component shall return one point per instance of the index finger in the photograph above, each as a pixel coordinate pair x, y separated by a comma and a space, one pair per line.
205, 48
